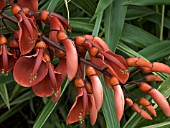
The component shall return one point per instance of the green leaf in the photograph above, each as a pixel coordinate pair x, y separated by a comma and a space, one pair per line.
4, 94
102, 5
11, 112
108, 108
137, 36
156, 18
88, 6
135, 12
156, 51
97, 24
78, 22
160, 125
147, 2
114, 21
47, 110
52, 4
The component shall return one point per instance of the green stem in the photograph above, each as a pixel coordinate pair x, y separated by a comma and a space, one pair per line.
162, 22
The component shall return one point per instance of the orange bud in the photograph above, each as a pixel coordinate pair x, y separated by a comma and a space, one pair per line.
152, 77
144, 102
135, 61
41, 44
129, 102
25, 10
62, 36
79, 82
44, 14
79, 40
13, 43
145, 115
160, 67
90, 71
144, 87
88, 87
151, 109
59, 53
15, 9
114, 81
3, 39
46, 57
135, 107
16, 34
93, 51
145, 70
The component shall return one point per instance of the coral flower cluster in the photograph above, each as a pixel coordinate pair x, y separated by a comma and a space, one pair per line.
30, 51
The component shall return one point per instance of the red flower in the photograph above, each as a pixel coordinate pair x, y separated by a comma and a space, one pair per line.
7, 59
30, 70
49, 85
28, 32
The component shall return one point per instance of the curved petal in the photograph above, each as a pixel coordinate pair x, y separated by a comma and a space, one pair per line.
23, 69
54, 25
26, 41
161, 101
62, 20
93, 110
43, 88
97, 91
62, 69
71, 58
75, 113
31, 4
107, 81
119, 101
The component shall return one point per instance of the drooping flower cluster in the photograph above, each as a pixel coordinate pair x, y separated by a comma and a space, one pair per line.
29, 53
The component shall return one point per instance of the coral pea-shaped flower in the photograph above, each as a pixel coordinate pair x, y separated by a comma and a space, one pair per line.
28, 32
139, 62
118, 97
14, 47
79, 109
45, 16
7, 59
96, 85
137, 109
92, 110
157, 97
30, 70
152, 77
48, 86
71, 55
145, 103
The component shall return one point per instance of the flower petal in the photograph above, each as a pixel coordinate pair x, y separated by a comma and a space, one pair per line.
62, 69
43, 88
31, 4
26, 41
119, 101
93, 110
161, 101
97, 91
23, 69
75, 113
62, 20
71, 58
54, 25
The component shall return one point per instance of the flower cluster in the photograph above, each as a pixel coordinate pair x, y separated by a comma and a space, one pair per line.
29, 53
